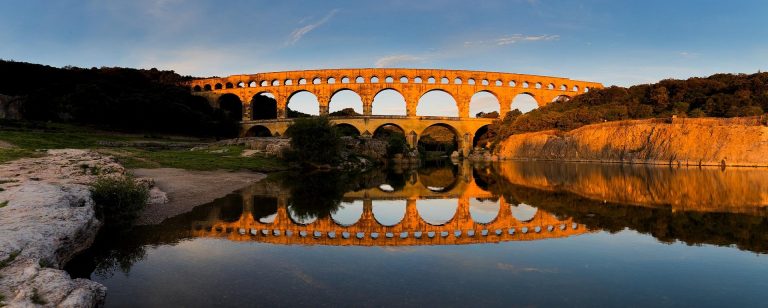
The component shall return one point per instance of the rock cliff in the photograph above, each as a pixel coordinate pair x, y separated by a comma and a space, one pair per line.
731, 142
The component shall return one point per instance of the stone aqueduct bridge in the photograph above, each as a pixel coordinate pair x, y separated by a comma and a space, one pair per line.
410, 231
412, 84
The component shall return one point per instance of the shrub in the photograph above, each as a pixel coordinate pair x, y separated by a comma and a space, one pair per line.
396, 144
314, 140
119, 200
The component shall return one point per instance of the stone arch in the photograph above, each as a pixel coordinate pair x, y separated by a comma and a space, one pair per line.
217, 86
484, 211
304, 102
435, 211
288, 82
258, 131
264, 83
197, 88
207, 87
343, 99
231, 105
386, 99
563, 87
436, 97
374, 79
524, 102
575, 88
386, 129
431, 79
346, 129
433, 139
551, 86
457, 80
445, 80
403, 79
389, 212
302, 81
345, 79
252, 84
360, 79
389, 79
263, 106
479, 139
471, 81
486, 102
512, 83
275, 83
523, 212
230, 208
229, 85
417, 79
241, 84
348, 213
331, 80
317, 80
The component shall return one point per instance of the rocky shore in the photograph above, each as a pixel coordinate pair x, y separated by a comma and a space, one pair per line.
46, 217
676, 141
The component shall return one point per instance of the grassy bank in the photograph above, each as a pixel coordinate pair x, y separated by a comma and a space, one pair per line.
131, 150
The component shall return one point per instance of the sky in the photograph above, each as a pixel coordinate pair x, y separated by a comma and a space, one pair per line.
613, 42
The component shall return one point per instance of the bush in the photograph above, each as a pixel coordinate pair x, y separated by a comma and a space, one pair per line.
396, 144
119, 200
314, 140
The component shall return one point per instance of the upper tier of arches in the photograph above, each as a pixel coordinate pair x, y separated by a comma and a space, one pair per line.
411, 83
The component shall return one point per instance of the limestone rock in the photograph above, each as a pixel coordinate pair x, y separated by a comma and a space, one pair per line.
24, 279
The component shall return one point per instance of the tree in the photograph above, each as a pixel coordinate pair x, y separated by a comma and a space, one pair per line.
314, 141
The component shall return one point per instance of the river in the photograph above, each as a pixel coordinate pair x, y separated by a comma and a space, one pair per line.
503, 234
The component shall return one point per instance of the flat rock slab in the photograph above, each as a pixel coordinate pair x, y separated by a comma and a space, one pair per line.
187, 189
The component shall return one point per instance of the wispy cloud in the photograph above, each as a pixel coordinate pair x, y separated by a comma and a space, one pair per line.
297, 34
394, 60
511, 39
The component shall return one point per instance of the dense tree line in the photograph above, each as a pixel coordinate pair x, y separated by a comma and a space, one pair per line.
113, 98
720, 95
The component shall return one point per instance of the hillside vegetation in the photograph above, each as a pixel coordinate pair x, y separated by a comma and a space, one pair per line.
122, 99
720, 95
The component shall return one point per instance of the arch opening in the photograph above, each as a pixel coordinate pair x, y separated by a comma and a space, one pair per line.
388, 212
263, 106
436, 212
258, 131
437, 103
231, 105
385, 131
481, 139
524, 102
389, 102
438, 141
264, 209
348, 213
484, 211
302, 104
345, 103
484, 104
345, 129
523, 212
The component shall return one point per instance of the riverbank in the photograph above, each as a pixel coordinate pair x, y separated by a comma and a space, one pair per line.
676, 141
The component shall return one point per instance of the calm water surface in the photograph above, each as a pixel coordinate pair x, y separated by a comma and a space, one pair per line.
509, 234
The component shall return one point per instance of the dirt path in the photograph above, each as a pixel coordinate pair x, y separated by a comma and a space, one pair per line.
187, 189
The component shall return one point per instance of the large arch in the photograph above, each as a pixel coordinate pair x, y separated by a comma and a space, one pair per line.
302, 103
438, 140
524, 102
388, 212
347, 129
258, 131
263, 106
484, 104
231, 105
437, 102
481, 137
348, 213
389, 102
436, 212
345, 102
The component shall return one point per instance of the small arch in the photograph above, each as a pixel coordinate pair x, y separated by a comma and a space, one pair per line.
586, 89
360, 79
258, 131
512, 83
575, 88
252, 84
437, 102
471, 81
499, 83
457, 80
484, 211
444, 80
207, 87
229, 85
417, 80
241, 84
344, 79
275, 83
348, 213
197, 88
217, 86
389, 79
523, 212
302, 81
264, 83
403, 79
526, 84
431, 80
374, 79
538, 85
485, 82
563, 87
317, 80
389, 102
288, 82
551, 86
331, 80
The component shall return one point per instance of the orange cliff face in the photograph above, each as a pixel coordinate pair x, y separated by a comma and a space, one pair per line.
708, 189
731, 142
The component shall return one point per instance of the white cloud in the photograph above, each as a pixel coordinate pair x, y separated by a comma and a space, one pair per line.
511, 39
394, 60
297, 34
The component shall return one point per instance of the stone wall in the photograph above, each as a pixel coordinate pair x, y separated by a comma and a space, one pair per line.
732, 142
10, 107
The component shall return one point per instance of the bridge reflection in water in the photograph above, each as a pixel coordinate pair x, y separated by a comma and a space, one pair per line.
415, 214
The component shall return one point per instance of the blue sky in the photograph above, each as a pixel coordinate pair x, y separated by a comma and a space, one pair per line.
613, 42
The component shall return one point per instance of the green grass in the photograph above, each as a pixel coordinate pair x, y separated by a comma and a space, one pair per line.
37, 299
30, 138
3, 204
11, 257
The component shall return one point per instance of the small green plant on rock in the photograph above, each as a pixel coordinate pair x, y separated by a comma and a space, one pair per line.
119, 200
4, 203
36, 298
